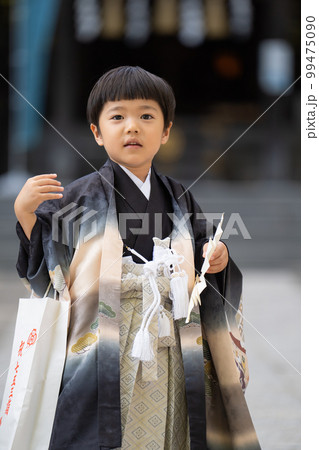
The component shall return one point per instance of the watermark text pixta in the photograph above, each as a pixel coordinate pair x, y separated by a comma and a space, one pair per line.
75, 225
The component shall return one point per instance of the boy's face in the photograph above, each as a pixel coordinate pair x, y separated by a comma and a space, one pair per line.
132, 132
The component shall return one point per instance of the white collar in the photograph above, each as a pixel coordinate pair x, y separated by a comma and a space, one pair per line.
144, 187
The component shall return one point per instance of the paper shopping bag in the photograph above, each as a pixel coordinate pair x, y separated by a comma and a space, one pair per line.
34, 375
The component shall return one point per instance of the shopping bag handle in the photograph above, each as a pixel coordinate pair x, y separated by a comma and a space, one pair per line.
46, 292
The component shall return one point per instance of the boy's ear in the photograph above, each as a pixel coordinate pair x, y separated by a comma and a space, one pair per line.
96, 134
166, 133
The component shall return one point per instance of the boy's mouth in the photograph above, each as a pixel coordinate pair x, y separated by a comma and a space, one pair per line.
132, 143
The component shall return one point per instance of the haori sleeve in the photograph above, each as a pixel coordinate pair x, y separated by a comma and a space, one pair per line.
41, 253
31, 264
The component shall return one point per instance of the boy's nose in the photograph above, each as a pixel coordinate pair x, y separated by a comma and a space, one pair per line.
132, 127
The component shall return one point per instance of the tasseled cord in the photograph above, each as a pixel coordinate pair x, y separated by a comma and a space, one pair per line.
164, 326
178, 283
179, 294
143, 346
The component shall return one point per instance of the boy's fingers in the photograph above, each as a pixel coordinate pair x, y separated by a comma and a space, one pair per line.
216, 269
215, 263
220, 252
44, 189
220, 249
45, 181
217, 254
44, 175
48, 196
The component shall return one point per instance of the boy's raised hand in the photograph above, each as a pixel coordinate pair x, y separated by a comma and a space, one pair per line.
35, 191
219, 259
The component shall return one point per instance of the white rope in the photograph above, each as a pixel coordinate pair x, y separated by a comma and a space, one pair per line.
168, 260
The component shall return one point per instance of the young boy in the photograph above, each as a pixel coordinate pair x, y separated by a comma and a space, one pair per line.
188, 392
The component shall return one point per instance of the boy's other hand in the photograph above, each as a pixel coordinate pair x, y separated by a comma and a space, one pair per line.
219, 258
35, 191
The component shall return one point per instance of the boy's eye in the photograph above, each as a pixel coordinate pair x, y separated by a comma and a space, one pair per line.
147, 116
117, 117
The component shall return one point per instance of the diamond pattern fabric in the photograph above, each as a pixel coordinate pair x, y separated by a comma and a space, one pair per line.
153, 400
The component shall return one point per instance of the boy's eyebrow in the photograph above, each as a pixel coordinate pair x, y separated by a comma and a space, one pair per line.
148, 107
121, 108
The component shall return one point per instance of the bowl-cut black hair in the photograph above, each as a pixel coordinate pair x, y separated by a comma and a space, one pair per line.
130, 83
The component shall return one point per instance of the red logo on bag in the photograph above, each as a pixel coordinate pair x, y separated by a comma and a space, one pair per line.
32, 337
21, 348
30, 341
12, 389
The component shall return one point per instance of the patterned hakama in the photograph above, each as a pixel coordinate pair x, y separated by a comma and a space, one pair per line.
153, 400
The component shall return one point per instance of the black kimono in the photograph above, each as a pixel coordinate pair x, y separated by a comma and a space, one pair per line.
83, 258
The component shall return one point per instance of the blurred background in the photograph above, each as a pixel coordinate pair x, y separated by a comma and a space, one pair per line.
228, 61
